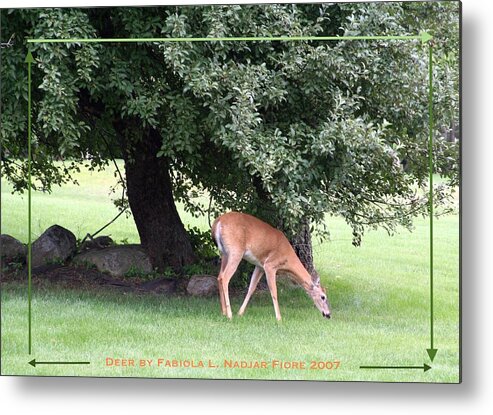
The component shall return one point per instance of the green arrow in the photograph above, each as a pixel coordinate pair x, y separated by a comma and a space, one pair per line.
29, 57
423, 37
424, 368
33, 363
431, 351
29, 60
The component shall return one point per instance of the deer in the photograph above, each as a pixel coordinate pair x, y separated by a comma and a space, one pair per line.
241, 236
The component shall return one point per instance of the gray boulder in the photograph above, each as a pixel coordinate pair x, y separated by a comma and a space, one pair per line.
11, 250
116, 260
56, 244
202, 286
96, 243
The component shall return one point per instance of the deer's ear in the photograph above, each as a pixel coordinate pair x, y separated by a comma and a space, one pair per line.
315, 278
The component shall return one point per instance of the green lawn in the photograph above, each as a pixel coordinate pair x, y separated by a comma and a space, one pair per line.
379, 294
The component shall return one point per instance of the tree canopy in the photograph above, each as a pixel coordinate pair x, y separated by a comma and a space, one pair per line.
290, 130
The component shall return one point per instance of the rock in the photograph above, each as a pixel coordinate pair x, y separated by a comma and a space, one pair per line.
202, 286
117, 260
11, 250
96, 243
56, 244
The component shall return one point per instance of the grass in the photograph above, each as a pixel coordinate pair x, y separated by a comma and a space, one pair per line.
379, 294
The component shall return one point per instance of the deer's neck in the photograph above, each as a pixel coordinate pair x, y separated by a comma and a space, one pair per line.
301, 275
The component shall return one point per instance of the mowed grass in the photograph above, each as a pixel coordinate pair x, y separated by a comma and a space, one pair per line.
379, 295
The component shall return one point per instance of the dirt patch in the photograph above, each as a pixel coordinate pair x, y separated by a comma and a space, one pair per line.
80, 277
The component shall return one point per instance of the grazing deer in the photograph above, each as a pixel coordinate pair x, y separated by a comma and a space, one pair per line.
241, 236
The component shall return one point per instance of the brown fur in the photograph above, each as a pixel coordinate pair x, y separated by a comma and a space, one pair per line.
242, 236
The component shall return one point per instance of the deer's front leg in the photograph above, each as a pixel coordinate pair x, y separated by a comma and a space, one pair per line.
270, 274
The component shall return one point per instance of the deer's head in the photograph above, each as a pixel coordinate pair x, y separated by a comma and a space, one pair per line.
319, 297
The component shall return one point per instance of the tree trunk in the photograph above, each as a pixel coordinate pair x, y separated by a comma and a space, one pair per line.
301, 241
149, 192
302, 244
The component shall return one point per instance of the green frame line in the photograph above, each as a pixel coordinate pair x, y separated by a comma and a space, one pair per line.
431, 351
33, 363
424, 37
29, 61
424, 368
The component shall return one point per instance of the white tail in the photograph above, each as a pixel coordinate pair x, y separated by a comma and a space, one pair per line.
241, 236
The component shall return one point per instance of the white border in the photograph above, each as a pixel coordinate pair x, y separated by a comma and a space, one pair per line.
82, 396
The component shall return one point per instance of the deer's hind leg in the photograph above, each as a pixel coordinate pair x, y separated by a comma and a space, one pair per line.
228, 267
256, 276
224, 260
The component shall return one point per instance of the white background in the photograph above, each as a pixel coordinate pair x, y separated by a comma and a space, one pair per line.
114, 396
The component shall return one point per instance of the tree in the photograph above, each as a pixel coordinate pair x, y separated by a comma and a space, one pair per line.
290, 131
